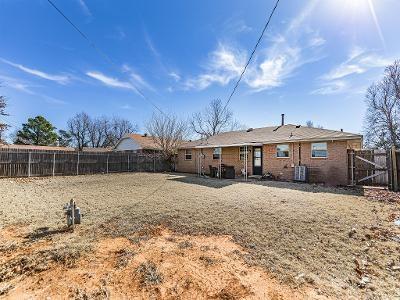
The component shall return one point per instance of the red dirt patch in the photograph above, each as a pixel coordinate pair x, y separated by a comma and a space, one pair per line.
163, 266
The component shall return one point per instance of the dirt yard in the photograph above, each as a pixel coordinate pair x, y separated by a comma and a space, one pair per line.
169, 236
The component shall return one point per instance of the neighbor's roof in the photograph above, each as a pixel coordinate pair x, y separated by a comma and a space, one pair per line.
35, 147
271, 135
145, 141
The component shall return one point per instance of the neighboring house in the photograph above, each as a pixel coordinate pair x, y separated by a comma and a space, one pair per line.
35, 148
276, 150
137, 142
99, 149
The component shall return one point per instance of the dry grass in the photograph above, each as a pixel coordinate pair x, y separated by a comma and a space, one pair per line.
326, 238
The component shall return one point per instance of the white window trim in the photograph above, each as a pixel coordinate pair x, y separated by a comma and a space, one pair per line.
276, 151
220, 153
191, 154
319, 157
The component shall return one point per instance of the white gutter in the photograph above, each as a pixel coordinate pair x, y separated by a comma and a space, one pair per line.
228, 145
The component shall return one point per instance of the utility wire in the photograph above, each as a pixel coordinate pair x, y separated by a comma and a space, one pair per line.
104, 55
251, 55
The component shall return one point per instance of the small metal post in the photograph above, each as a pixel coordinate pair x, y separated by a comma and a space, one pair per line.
77, 165
54, 163
128, 162
72, 204
107, 162
29, 164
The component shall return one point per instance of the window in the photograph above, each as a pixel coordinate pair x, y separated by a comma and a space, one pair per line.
319, 150
188, 154
242, 152
217, 153
282, 150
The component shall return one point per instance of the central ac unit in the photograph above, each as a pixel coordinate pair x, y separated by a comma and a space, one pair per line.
300, 173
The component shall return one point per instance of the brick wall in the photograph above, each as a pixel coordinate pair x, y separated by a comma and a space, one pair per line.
331, 170
230, 157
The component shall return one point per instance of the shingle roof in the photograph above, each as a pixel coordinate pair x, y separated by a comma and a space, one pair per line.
271, 135
145, 141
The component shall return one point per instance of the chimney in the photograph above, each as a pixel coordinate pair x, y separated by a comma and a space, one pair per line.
283, 119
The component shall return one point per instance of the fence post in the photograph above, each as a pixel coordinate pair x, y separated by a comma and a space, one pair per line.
54, 163
154, 160
29, 164
107, 162
352, 166
128, 162
395, 183
77, 165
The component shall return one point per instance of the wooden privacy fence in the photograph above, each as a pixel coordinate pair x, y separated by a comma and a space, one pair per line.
27, 163
374, 167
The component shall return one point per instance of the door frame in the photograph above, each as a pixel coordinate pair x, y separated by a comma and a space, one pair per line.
261, 167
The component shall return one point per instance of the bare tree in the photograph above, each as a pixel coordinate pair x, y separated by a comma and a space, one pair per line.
78, 127
213, 119
310, 124
3, 125
98, 132
168, 132
382, 121
119, 127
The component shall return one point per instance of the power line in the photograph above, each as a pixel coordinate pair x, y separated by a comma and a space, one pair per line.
104, 55
251, 55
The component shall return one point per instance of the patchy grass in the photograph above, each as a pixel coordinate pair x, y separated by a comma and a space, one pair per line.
149, 274
302, 234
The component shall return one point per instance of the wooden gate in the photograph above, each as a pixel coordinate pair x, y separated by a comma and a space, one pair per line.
368, 167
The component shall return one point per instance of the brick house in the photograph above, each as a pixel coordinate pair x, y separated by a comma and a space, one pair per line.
276, 150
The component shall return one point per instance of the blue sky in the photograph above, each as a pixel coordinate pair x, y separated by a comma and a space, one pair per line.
314, 63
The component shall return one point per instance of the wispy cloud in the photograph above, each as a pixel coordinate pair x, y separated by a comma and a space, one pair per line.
110, 81
134, 82
333, 87
136, 79
61, 79
224, 64
272, 66
27, 88
169, 71
117, 34
343, 77
84, 8
175, 76
126, 107
359, 61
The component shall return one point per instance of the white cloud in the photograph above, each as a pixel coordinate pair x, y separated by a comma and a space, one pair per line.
136, 79
332, 87
126, 107
175, 76
224, 64
110, 81
271, 66
25, 87
61, 79
134, 83
343, 78
84, 8
359, 61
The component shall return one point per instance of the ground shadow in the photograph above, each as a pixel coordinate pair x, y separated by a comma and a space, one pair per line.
44, 232
204, 181
304, 187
